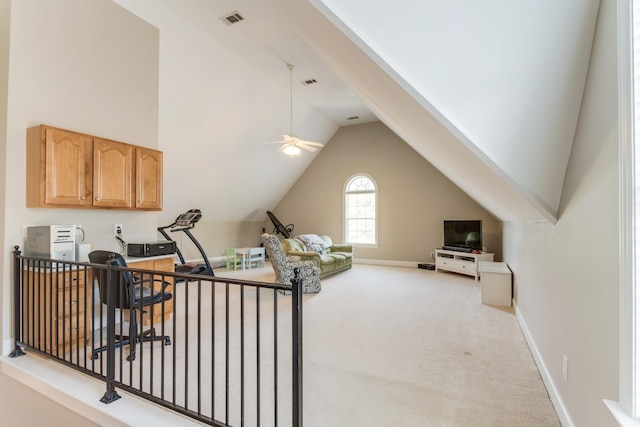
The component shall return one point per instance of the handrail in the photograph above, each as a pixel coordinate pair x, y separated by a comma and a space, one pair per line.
58, 315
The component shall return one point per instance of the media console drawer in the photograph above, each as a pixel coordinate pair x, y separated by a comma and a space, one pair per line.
460, 262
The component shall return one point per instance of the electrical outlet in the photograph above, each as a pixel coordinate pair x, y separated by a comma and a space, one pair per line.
117, 229
565, 367
432, 256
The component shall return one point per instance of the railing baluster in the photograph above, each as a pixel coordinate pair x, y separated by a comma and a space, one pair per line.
163, 351
199, 361
275, 357
57, 277
242, 355
176, 343
226, 356
186, 345
213, 349
140, 327
110, 395
17, 303
258, 288
51, 311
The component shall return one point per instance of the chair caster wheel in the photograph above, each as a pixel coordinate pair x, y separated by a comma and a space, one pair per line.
167, 341
131, 358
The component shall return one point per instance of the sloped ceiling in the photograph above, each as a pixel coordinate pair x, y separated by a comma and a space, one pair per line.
489, 94
506, 79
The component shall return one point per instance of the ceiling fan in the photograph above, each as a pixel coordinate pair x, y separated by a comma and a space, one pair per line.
291, 144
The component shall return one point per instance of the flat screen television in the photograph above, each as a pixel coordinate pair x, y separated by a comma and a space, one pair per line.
463, 235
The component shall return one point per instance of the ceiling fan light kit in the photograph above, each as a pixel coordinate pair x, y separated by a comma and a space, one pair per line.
291, 150
291, 143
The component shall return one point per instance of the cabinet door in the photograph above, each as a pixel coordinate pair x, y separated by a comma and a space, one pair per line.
148, 178
112, 174
60, 164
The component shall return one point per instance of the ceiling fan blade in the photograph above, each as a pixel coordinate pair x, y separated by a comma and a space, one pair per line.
317, 144
305, 146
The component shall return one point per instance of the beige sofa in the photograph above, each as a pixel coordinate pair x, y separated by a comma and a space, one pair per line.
331, 258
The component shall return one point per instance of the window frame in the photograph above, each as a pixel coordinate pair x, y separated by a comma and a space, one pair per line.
626, 410
345, 219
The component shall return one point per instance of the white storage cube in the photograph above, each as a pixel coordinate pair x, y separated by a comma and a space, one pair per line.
495, 282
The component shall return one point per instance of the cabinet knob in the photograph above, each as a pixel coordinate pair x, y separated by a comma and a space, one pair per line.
97, 199
82, 197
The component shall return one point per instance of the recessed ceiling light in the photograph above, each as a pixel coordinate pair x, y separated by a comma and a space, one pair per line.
232, 18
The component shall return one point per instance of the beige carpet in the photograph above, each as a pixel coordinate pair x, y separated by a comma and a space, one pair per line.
393, 346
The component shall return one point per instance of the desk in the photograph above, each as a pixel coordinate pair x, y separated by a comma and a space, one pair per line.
244, 252
157, 263
59, 302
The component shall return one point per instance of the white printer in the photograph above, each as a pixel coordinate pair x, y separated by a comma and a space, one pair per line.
51, 241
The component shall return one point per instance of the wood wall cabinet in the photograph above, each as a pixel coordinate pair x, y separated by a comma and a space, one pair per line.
59, 168
112, 174
70, 169
148, 178
60, 321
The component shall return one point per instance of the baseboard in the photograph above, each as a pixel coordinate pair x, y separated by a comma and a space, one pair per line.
558, 404
386, 262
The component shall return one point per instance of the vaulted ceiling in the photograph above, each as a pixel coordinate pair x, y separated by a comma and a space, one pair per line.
488, 92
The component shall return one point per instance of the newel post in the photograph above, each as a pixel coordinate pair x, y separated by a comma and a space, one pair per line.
17, 299
296, 313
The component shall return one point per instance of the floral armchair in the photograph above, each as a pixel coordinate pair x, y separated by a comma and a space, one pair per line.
283, 266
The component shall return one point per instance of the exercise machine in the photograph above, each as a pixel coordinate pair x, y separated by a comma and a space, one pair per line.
185, 222
279, 228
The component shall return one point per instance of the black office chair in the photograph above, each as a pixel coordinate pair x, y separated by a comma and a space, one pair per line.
131, 294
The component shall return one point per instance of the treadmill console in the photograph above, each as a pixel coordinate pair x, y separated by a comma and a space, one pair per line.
189, 218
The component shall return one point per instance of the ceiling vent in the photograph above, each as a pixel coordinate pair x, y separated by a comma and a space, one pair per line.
309, 82
232, 18
353, 118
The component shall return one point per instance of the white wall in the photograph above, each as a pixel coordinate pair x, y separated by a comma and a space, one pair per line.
566, 276
216, 111
5, 19
20, 405
83, 65
88, 66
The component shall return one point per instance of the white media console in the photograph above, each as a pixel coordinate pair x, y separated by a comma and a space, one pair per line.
460, 262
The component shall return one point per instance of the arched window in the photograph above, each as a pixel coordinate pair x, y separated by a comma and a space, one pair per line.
360, 211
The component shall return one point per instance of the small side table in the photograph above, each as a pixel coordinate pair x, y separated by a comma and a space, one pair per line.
495, 281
